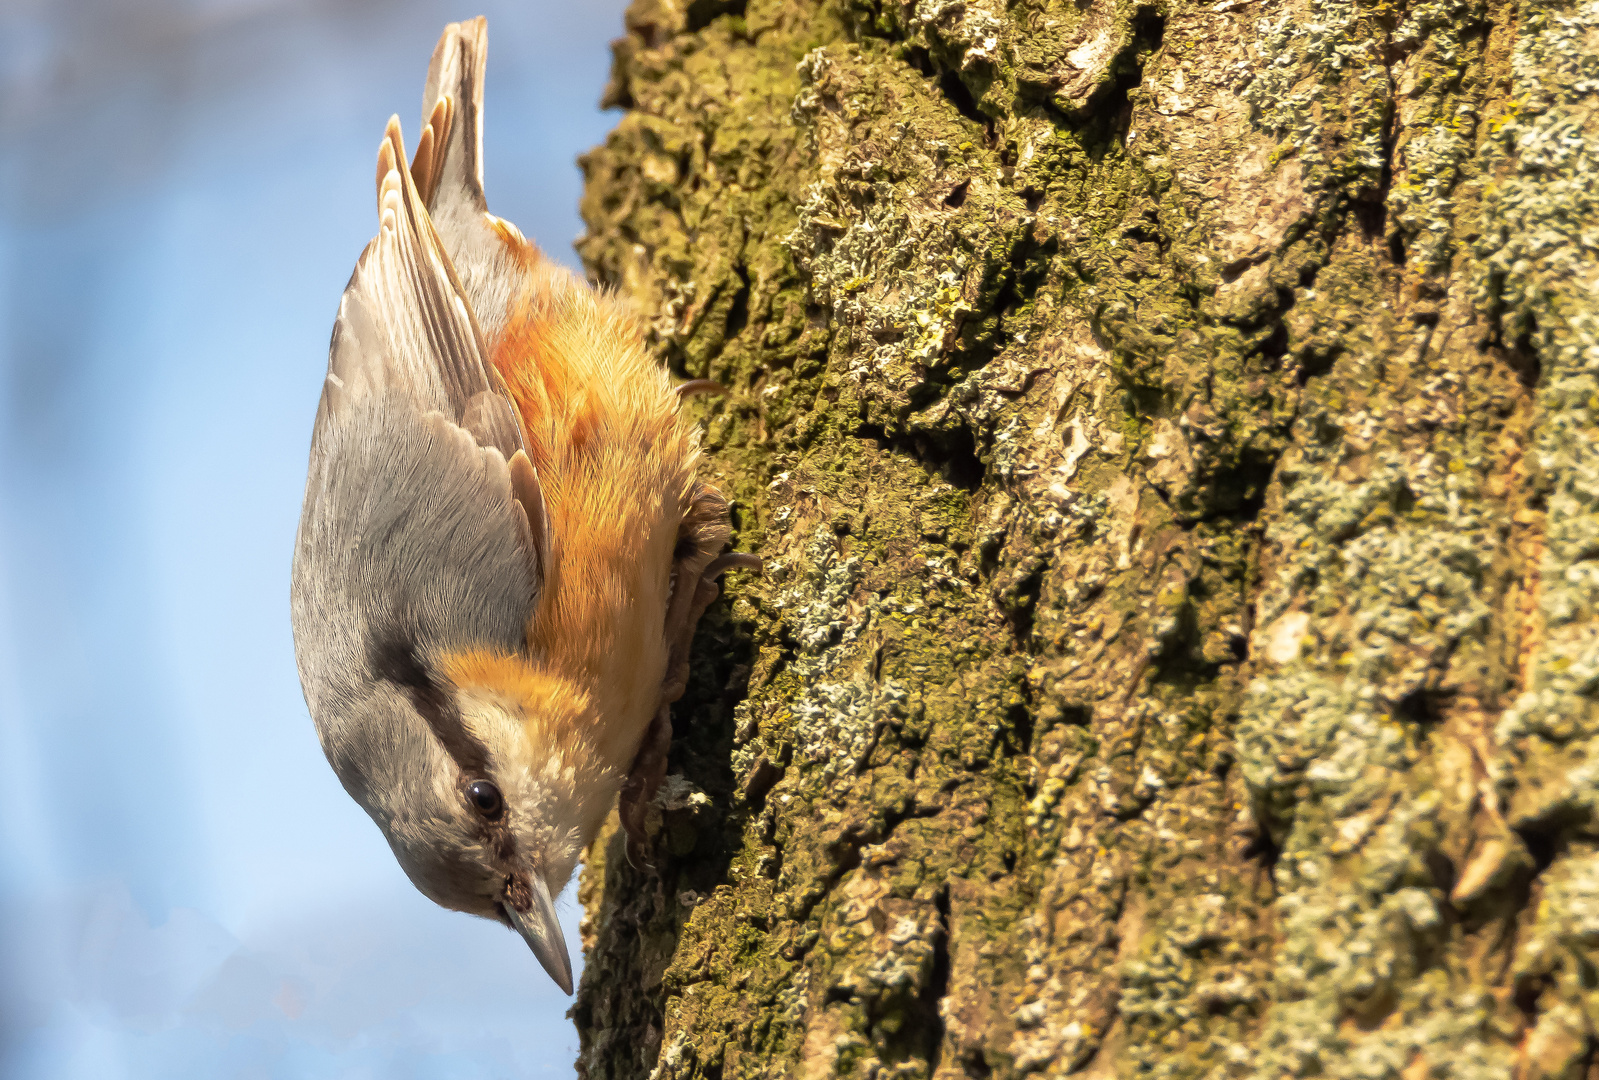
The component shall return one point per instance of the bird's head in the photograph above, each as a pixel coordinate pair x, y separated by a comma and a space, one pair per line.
476, 769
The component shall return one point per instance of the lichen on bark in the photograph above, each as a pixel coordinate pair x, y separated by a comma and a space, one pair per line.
1169, 428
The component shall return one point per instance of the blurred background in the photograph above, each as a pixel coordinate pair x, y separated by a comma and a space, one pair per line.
185, 185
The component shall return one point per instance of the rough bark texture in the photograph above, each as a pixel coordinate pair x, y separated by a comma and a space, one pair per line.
1173, 432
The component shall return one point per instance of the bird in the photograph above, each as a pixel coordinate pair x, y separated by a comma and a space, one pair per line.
505, 545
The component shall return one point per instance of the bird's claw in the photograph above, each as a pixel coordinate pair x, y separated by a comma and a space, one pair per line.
694, 590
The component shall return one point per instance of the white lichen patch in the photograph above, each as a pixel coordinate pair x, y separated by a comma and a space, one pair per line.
1540, 267
1542, 262
835, 717
1389, 562
1324, 63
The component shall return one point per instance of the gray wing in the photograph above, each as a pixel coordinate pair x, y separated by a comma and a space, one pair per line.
412, 534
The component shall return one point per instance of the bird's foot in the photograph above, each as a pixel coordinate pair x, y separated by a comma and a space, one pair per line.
643, 781
703, 534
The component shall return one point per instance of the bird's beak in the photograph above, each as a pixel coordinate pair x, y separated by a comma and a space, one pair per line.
542, 931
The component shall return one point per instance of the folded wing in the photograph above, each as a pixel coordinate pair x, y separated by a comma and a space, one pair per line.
423, 519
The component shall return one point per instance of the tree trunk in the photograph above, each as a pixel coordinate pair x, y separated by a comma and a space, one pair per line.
1172, 430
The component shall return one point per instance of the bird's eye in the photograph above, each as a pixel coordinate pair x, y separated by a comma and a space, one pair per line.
485, 798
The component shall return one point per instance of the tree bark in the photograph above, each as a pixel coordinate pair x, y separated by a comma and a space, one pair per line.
1172, 430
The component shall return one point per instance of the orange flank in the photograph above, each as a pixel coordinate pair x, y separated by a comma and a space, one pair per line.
616, 464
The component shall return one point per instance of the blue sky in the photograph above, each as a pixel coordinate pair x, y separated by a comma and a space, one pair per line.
185, 185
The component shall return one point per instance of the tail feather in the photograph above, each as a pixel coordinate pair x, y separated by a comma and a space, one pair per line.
448, 168
489, 255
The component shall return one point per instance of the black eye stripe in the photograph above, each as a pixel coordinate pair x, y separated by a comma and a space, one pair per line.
393, 659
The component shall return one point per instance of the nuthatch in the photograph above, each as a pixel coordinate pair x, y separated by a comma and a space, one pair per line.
504, 548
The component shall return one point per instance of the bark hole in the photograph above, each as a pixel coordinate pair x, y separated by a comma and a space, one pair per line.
701, 13
961, 97
738, 313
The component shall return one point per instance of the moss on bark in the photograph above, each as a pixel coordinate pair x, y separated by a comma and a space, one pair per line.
1170, 428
